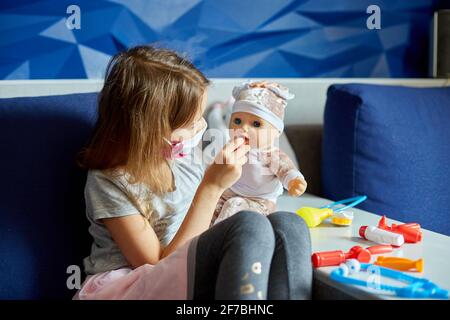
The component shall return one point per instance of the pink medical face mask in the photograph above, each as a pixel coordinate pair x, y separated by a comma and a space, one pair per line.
180, 149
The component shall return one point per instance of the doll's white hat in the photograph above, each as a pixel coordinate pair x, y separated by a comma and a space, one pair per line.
266, 100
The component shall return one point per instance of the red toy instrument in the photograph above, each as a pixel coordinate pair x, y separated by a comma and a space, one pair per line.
411, 231
335, 258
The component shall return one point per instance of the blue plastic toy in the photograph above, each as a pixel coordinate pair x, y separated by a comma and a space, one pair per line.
415, 288
351, 203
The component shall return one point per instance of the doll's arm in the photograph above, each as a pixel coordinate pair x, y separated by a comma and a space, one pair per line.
283, 167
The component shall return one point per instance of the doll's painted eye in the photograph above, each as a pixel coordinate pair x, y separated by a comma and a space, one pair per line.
237, 121
256, 124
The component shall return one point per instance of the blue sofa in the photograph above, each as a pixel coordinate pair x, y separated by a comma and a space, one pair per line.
371, 145
391, 143
42, 230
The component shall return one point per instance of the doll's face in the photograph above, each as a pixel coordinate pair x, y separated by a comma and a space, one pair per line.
258, 133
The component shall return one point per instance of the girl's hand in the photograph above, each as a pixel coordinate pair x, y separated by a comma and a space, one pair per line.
221, 174
296, 187
227, 166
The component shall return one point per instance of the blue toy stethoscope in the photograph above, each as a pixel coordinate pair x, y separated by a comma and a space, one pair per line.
415, 288
351, 202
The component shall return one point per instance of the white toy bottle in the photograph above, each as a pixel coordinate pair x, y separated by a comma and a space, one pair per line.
381, 236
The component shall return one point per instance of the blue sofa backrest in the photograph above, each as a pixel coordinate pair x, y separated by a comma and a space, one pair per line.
392, 144
43, 229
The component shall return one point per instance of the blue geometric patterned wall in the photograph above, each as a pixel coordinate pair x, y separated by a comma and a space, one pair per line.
224, 38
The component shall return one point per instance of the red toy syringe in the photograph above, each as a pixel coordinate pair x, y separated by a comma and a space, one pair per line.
335, 258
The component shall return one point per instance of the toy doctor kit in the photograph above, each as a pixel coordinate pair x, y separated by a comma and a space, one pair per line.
314, 216
356, 259
415, 288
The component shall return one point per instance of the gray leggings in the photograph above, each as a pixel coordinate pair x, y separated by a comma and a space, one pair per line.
250, 256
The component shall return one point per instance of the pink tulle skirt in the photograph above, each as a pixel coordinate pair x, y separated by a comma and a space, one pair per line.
167, 280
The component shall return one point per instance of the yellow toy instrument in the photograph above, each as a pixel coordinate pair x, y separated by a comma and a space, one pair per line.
314, 216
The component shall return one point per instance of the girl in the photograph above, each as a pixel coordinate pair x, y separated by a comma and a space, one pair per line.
150, 203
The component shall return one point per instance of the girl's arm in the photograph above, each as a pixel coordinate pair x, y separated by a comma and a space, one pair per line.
198, 218
220, 175
138, 241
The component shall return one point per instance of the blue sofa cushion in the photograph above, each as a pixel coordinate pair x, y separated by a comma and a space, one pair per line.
43, 229
392, 144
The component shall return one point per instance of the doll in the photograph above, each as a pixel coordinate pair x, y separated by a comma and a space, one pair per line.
257, 116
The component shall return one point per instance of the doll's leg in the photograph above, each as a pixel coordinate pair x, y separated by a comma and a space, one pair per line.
223, 198
230, 207
263, 206
237, 203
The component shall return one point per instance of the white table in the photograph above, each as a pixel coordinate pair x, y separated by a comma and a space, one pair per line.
434, 248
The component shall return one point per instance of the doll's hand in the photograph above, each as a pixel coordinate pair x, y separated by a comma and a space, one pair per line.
258, 84
296, 187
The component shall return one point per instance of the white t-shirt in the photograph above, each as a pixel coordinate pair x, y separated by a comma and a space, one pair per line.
108, 197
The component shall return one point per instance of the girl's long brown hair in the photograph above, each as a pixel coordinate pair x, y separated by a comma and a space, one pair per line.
148, 93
